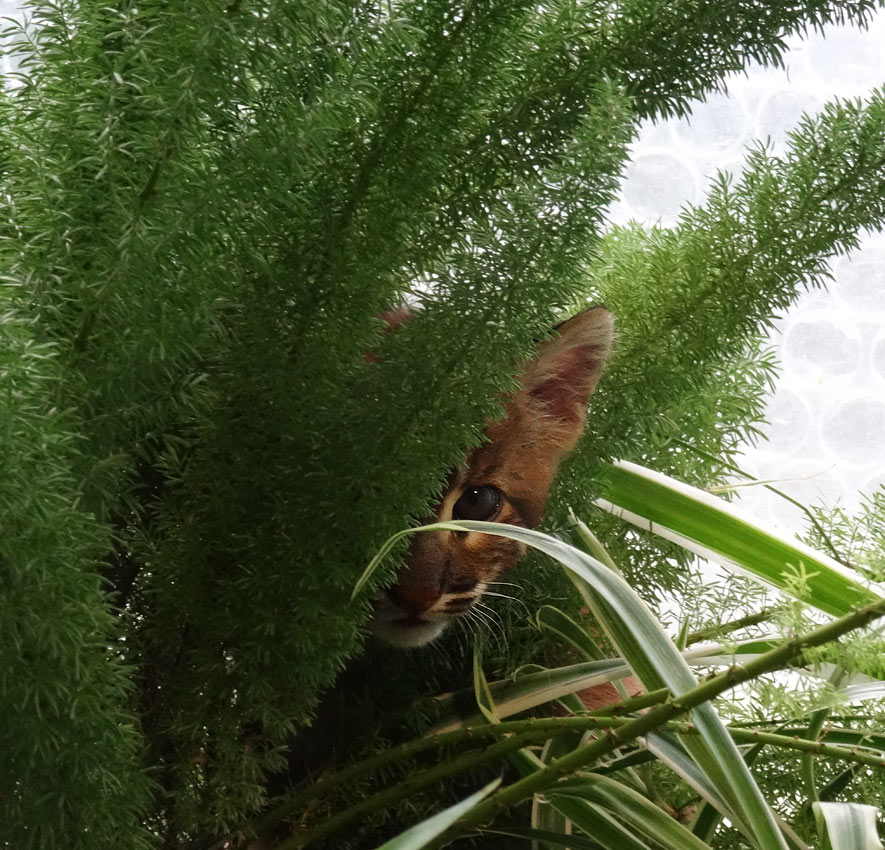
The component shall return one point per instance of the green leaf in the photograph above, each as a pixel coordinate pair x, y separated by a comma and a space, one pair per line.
546, 816
592, 820
526, 691
423, 833
637, 811
481, 690
682, 637
831, 789
669, 751
717, 530
598, 823
382, 553
847, 826
656, 661
550, 617
653, 657
708, 817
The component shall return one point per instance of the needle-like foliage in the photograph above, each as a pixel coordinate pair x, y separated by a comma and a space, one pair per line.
206, 206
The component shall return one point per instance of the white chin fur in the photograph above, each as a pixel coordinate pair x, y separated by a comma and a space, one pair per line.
397, 634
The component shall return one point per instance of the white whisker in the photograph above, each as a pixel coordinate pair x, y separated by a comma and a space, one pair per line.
501, 595
497, 624
491, 621
512, 598
488, 609
480, 616
478, 625
467, 623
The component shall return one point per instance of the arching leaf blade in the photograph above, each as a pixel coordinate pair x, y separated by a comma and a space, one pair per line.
653, 654
423, 833
847, 826
722, 532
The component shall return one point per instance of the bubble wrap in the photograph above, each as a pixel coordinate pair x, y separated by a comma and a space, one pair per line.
826, 420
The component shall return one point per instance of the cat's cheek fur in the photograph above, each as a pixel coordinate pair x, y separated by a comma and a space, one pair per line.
475, 557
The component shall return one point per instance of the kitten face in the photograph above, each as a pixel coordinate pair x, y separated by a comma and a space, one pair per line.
506, 479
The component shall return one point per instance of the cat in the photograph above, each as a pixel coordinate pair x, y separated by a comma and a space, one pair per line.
506, 479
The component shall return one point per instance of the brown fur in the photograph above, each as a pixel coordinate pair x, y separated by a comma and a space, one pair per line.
446, 573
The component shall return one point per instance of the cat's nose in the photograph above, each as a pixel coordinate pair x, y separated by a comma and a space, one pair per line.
414, 599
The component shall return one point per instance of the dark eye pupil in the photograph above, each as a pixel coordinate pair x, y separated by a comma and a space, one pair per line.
477, 503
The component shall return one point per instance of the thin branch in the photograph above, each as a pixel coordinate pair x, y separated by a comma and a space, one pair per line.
409, 786
619, 731
789, 652
712, 632
857, 755
534, 728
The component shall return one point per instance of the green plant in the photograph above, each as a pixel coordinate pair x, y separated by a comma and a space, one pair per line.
206, 207
590, 782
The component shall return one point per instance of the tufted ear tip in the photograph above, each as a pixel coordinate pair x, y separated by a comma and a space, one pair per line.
594, 326
564, 372
567, 367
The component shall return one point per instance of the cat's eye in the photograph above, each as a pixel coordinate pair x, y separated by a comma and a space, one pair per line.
478, 503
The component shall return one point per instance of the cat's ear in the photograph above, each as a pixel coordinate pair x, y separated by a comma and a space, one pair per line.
392, 319
559, 379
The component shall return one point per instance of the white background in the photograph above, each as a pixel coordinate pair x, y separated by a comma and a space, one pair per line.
826, 431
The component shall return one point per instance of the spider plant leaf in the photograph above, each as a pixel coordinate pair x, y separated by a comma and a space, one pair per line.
529, 690
484, 698
587, 817
550, 617
847, 826
651, 654
723, 533
640, 814
423, 833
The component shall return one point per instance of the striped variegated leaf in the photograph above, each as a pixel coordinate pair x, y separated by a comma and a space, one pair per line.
847, 826
719, 531
590, 819
531, 689
423, 833
654, 658
639, 813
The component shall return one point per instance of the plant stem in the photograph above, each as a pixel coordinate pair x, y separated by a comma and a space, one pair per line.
619, 731
409, 786
713, 632
533, 729
774, 659
804, 745
523, 732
